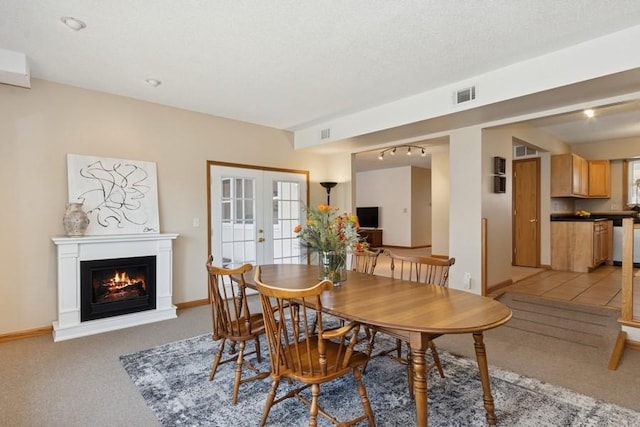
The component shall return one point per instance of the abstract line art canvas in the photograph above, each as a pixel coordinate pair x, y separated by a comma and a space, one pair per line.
119, 196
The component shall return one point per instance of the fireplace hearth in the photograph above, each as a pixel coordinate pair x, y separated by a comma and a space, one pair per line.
112, 287
127, 278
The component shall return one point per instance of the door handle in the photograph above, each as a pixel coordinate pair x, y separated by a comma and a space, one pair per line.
533, 220
260, 239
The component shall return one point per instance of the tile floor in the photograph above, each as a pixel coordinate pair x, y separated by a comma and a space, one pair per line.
600, 287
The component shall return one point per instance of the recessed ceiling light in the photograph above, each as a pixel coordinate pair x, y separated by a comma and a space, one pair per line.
73, 23
589, 112
153, 82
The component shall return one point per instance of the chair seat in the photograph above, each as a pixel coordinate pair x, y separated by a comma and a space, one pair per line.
256, 326
334, 370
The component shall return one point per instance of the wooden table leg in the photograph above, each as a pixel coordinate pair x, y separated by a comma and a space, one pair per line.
481, 356
418, 352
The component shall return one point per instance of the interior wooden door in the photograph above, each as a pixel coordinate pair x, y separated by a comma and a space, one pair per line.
526, 212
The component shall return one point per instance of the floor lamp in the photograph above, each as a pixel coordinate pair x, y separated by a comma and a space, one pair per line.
328, 186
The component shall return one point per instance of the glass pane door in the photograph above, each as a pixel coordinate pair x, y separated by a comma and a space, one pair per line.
253, 214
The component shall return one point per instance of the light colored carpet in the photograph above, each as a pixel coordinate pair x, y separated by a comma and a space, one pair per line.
558, 349
173, 379
81, 382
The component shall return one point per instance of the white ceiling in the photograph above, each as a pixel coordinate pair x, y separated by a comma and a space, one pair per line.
289, 64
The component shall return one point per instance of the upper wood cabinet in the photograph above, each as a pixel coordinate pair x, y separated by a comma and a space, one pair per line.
599, 179
573, 176
569, 176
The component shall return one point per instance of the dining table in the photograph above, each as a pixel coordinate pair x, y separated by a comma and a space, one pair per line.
416, 312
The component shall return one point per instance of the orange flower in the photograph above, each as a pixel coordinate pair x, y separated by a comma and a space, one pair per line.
359, 247
324, 208
297, 228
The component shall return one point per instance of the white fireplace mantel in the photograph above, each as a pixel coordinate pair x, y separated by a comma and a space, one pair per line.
73, 250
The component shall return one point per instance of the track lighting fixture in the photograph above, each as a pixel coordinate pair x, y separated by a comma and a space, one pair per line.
392, 150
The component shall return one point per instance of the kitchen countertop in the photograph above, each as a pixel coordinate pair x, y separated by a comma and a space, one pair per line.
594, 217
574, 218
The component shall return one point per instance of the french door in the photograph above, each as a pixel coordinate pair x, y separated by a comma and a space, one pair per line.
253, 212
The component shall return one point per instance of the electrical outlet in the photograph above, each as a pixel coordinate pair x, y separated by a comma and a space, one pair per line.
196, 222
467, 280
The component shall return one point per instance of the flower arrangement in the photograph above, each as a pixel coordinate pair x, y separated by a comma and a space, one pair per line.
327, 231
330, 235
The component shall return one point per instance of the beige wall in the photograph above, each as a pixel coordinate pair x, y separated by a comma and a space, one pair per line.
616, 149
496, 207
420, 207
440, 200
390, 190
465, 207
38, 127
403, 195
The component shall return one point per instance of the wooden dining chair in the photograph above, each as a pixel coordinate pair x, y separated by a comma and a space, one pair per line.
300, 355
429, 270
365, 261
233, 322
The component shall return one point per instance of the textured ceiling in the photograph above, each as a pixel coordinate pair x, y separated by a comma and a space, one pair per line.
290, 64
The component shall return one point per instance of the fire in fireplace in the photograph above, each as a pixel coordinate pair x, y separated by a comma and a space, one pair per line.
112, 287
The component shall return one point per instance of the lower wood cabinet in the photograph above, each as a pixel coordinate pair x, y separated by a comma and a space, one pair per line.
581, 245
372, 236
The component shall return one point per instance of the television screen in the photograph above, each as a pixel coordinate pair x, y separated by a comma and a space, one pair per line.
368, 217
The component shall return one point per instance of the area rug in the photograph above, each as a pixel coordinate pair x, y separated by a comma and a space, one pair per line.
173, 379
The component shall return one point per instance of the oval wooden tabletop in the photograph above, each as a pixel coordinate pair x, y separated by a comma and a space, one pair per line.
393, 303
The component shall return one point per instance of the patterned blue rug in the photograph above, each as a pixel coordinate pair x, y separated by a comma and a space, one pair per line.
173, 379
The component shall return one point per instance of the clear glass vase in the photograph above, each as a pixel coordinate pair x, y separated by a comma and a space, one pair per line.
332, 266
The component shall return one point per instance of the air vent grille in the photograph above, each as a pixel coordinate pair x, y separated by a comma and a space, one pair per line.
464, 95
325, 133
523, 151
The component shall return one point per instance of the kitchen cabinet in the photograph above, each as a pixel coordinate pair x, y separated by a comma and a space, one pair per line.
580, 246
569, 176
599, 179
602, 237
573, 176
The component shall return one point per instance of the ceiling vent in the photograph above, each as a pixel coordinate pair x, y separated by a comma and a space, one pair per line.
325, 133
523, 151
465, 95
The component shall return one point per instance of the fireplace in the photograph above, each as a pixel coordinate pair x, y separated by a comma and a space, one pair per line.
112, 282
111, 287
